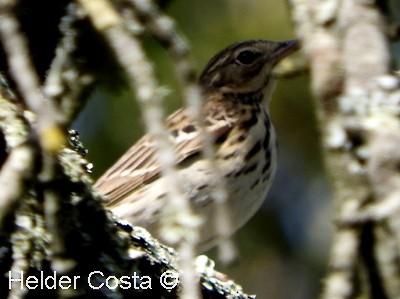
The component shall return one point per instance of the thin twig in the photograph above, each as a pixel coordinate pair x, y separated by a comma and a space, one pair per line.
51, 136
163, 29
132, 58
15, 45
15, 172
67, 80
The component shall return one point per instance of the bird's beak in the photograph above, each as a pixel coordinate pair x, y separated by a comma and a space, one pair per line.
284, 49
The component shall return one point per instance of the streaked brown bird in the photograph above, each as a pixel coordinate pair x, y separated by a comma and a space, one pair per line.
237, 85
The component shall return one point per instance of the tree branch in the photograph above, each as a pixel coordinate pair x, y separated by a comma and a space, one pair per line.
357, 104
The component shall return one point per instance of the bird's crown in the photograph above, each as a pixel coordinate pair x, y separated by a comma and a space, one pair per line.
244, 67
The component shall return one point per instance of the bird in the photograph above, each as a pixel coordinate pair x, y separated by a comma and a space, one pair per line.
236, 88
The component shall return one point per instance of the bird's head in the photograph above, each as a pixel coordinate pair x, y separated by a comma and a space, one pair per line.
245, 67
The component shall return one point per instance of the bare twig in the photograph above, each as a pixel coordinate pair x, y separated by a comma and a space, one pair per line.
17, 169
51, 137
162, 28
67, 80
131, 56
15, 45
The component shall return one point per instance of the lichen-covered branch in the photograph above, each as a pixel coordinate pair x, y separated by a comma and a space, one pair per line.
357, 101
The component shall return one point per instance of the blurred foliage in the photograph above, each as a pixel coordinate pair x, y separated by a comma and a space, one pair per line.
284, 247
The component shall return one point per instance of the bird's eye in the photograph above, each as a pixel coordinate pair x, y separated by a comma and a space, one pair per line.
246, 57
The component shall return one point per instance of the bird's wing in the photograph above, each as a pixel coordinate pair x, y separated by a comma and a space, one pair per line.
139, 165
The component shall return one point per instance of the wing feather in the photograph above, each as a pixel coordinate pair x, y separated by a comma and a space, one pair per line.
139, 165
